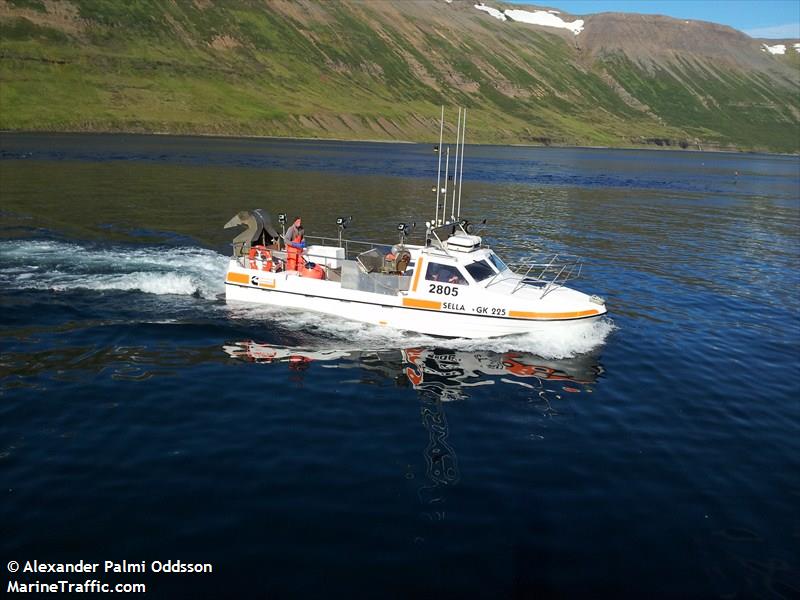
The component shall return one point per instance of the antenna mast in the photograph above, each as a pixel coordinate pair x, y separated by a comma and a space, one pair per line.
439, 168
446, 173
455, 164
461, 170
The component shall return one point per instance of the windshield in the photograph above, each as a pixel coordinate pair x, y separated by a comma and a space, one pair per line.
480, 270
499, 264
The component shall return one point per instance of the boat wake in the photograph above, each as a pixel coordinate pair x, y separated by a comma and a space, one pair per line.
192, 271
567, 343
64, 266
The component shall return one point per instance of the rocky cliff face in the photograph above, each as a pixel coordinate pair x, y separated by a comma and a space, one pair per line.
380, 70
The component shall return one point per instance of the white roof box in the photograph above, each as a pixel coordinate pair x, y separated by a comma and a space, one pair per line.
327, 255
463, 243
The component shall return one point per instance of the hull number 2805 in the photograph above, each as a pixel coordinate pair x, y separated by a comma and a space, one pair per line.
447, 290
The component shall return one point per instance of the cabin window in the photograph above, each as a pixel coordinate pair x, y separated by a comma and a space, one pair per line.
499, 264
480, 270
445, 274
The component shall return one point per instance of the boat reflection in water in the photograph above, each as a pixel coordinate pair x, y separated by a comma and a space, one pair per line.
449, 373
297, 358
444, 373
440, 375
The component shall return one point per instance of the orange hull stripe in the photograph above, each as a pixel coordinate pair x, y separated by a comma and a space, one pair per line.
266, 284
414, 303
416, 275
519, 314
237, 277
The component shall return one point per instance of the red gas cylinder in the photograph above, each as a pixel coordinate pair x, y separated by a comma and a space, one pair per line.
313, 271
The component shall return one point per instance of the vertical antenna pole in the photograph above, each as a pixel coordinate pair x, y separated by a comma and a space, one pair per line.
461, 170
446, 173
455, 164
439, 168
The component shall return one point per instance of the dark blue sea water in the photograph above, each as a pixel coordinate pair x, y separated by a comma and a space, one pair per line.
141, 418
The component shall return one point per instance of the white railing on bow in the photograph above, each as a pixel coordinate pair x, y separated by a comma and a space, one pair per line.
547, 272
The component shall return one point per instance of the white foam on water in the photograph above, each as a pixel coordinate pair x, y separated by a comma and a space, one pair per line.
64, 266
571, 341
149, 283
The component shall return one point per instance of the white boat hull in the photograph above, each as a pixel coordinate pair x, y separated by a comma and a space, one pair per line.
416, 312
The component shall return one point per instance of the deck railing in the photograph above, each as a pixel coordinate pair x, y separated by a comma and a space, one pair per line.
352, 248
548, 272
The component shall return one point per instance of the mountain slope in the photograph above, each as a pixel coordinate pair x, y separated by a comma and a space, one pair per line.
380, 70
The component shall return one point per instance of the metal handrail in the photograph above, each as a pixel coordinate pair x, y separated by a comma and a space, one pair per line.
349, 253
362, 265
281, 255
549, 273
498, 274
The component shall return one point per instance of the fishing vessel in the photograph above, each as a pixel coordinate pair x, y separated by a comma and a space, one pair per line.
451, 284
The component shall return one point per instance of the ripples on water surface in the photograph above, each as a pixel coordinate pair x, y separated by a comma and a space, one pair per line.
655, 454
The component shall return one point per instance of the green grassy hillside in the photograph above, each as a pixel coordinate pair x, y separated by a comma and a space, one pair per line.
368, 70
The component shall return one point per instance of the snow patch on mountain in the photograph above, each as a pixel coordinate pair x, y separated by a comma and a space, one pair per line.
541, 17
776, 49
497, 14
538, 17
